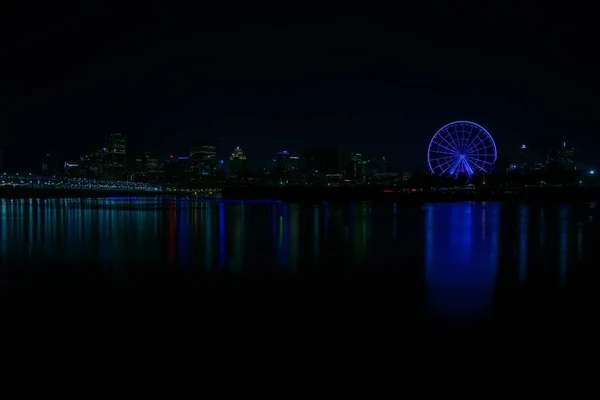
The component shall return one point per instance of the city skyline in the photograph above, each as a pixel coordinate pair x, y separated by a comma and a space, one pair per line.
370, 82
511, 153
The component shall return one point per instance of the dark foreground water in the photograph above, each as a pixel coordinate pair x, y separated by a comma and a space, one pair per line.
453, 262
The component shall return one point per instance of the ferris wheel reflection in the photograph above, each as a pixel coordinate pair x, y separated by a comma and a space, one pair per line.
461, 258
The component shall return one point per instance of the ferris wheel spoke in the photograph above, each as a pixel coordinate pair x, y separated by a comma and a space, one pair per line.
435, 152
455, 165
468, 138
438, 159
471, 157
447, 168
477, 140
448, 149
480, 151
477, 164
450, 145
468, 167
472, 142
481, 145
460, 137
445, 162
465, 137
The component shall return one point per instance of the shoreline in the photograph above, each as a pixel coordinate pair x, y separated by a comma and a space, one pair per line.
521, 195
336, 195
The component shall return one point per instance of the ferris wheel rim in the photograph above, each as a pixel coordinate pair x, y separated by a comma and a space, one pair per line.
443, 128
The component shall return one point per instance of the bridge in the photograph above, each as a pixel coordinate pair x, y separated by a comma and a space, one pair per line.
28, 180
18, 183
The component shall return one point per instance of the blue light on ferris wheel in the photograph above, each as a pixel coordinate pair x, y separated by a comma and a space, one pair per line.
461, 147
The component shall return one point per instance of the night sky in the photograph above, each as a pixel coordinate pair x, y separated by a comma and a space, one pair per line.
376, 81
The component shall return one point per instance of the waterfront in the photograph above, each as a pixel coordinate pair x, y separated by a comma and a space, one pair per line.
447, 261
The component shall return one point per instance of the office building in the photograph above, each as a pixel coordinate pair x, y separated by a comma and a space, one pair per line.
203, 158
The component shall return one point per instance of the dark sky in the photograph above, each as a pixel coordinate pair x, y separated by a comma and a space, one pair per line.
377, 81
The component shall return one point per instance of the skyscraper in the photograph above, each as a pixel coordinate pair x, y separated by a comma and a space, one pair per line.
116, 148
566, 156
204, 158
237, 162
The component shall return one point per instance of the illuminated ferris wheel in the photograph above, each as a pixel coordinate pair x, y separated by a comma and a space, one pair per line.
461, 147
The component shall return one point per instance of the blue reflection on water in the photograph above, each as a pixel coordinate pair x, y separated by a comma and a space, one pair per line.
222, 237
183, 234
207, 221
294, 235
563, 244
3, 229
283, 239
523, 232
237, 234
461, 258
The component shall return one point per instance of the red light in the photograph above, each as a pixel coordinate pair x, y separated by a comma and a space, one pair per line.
171, 155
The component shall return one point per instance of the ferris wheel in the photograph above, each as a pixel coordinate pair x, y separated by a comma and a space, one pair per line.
461, 147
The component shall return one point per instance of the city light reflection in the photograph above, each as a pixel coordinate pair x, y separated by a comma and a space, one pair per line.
461, 260
222, 237
523, 232
563, 242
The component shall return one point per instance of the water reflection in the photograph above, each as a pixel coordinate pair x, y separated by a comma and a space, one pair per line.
563, 243
222, 238
238, 245
523, 232
294, 235
206, 217
461, 258
459, 241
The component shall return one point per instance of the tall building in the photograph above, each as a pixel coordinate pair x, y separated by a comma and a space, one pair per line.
294, 164
221, 155
357, 167
282, 161
566, 156
237, 162
50, 164
96, 162
286, 168
325, 160
203, 157
116, 160
154, 166
531, 158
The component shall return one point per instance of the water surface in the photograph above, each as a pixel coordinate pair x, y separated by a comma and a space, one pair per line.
459, 259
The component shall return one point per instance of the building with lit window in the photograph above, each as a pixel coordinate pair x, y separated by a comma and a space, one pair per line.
237, 162
357, 167
116, 157
565, 156
50, 165
96, 162
203, 158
